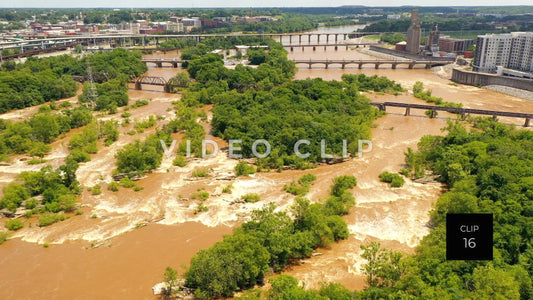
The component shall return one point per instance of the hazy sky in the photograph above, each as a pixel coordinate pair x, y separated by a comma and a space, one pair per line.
250, 3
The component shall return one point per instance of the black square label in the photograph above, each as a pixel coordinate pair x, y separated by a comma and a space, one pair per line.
469, 236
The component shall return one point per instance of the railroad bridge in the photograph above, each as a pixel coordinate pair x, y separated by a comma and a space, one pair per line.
155, 80
377, 63
463, 112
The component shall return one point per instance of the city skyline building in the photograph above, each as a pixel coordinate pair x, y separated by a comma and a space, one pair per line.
509, 50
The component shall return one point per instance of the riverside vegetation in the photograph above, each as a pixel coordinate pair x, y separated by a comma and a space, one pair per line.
248, 103
488, 170
269, 242
51, 192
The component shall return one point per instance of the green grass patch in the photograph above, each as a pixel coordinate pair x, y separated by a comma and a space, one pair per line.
251, 197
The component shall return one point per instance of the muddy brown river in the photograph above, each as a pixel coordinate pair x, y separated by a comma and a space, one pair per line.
114, 255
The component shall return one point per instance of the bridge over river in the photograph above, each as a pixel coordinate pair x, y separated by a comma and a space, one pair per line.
463, 112
175, 62
377, 63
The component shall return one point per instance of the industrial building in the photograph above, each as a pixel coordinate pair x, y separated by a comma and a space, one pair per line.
459, 46
414, 33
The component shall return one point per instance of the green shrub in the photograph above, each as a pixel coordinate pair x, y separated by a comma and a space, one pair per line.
36, 161
14, 195
3, 236
138, 188
397, 182
302, 187
14, 224
307, 179
67, 202
49, 218
227, 189
96, 190
179, 161
296, 189
202, 195
200, 172
394, 179
78, 155
113, 186
242, 168
31, 203
126, 115
145, 123
251, 197
342, 183
140, 103
200, 208
127, 183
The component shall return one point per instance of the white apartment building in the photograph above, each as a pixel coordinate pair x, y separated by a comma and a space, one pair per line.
510, 50
175, 26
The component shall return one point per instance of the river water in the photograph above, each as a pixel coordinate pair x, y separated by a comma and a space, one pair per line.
108, 252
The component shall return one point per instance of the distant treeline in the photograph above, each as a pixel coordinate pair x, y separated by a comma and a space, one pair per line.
448, 24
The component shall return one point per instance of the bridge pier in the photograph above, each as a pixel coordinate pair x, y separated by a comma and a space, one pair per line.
376, 65
280, 39
433, 114
360, 66
138, 86
292, 49
343, 66
346, 47
336, 38
166, 88
411, 66
314, 48
326, 65
428, 66
344, 36
174, 64
407, 111
325, 48
159, 65
303, 48
290, 39
300, 38
327, 38
495, 117
526, 124
394, 66
318, 38
336, 48
309, 38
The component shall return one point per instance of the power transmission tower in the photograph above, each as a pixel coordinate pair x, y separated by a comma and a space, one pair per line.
92, 93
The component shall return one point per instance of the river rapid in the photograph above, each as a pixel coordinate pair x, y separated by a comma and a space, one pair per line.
122, 243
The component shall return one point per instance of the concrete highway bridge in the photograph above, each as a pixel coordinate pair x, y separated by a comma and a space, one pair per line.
463, 112
160, 61
343, 63
34, 42
335, 46
377, 63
